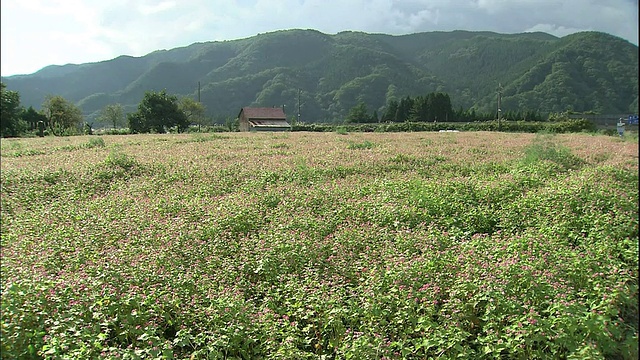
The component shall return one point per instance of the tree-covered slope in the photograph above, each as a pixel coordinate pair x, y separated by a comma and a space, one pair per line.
585, 71
329, 74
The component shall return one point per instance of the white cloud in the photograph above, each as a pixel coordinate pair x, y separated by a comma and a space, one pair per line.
149, 9
555, 30
37, 33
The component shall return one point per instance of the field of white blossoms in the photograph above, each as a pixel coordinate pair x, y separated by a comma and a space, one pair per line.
320, 246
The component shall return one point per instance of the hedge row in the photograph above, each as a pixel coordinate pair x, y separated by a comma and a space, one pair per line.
567, 126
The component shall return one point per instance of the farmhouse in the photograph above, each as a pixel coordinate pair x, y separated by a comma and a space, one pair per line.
263, 119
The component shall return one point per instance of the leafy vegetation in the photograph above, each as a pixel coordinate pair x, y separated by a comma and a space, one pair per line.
557, 127
331, 74
158, 112
112, 114
193, 111
11, 124
320, 245
63, 117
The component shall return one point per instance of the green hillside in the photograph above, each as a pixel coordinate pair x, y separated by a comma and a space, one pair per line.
586, 71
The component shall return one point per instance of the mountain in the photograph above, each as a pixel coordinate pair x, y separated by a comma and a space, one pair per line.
329, 74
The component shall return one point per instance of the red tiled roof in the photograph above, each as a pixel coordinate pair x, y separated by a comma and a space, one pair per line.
263, 113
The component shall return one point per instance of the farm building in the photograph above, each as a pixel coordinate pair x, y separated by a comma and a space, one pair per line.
263, 119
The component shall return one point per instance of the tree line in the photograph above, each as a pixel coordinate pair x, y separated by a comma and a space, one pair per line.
158, 112
433, 107
57, 115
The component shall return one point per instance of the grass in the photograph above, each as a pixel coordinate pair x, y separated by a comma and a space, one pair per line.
363, 145
469, 245
546, 148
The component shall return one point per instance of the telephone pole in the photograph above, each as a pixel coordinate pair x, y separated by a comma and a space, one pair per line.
298, 106
198, 91
499, 109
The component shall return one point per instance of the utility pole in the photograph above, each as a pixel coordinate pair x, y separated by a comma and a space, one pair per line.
298, 106
198, 91
499, 109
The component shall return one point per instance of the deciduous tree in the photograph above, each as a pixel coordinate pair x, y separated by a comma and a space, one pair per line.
158, 112
193, 110
112, 114
63, 116
10, 122
33, 117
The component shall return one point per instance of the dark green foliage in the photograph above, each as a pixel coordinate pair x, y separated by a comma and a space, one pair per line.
390, 112
137, 123
359, 114
403, 112
158, 112
63, 117
433, 107
556, 127
10, 122
32, 118
541, 73
584, 71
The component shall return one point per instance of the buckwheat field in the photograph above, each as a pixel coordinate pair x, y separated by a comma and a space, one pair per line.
472, 245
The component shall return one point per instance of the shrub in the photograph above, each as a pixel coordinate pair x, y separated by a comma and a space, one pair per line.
342, 130
95, 142
544, 148
359, 146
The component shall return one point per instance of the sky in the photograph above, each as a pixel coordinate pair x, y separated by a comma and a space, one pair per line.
38, 33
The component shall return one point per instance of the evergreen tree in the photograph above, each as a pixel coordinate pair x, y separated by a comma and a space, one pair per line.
374, 117
390, 112
441, 109
420, 109
404, 109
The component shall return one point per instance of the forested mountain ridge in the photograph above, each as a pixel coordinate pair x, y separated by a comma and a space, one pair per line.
329, 74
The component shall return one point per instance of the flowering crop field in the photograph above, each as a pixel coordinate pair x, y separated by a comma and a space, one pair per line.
320, 246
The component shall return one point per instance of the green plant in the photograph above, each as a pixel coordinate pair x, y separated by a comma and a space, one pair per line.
360, 146
544, 148
341, 130
200, 137
118, 159
95, 142
280, 146
163, 250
